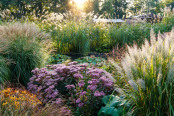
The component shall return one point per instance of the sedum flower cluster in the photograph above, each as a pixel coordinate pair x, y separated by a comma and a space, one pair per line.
77, 82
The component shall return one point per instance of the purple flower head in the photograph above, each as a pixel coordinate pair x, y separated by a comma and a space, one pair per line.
80, 104
77, 76
109, 84
51, 87
84, 65
97, 75
92, 87
41, 75
55, 93
52, 73
81, 83
64, 69
103, 78
48, 66
82, 93
70, 86
38, 79
52, 94
98, 94
72, 63
32, 78
78, 100
35, 71
48, 83
94, 81
107, 81
65, 110
58, 101
39, 88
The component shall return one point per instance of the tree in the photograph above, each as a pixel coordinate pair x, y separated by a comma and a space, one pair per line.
145, 7
19, 8
116, 8
137, 7
169, 3
155, 6
96, 6
60, 5
89, 6
120, 7
108, 8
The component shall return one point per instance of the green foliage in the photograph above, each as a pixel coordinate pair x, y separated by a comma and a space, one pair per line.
148, 73
58, 59
91, 60
98, 62
4, 71
115, 106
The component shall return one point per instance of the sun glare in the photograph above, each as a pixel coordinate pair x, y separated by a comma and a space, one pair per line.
80, 2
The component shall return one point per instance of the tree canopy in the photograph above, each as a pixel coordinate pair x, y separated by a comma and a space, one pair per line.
115, 8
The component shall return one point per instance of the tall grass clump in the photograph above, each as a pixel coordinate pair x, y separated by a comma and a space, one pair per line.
149, 75
168, 20
23, 45
80, 37
128, 34
4, 71
73, 34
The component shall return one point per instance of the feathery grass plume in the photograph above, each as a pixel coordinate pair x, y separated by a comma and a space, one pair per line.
25, 45
133, 85
152, 36
141, 84
119, 90
119, 69
149, 70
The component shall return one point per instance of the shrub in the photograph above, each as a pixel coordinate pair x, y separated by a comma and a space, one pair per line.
4, 71
21, 44
17, 102
149, 75
84, 87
